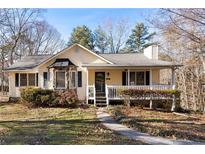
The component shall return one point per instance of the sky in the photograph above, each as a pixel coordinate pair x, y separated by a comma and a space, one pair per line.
64, 20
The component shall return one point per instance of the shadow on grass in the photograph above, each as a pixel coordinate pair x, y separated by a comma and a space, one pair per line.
57, 131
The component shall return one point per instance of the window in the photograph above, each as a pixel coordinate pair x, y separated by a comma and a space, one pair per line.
60, 79
73, 84
17, 79
140, 78
79, 79
45, 79
132, 78
26, 79
23, 79
31, 79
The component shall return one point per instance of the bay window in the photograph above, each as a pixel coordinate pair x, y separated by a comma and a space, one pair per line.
60, 79
73, 80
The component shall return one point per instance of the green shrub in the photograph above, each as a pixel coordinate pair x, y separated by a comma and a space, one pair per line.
49, 98
151, 93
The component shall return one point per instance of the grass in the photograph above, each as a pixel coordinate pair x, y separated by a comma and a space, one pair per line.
48, 126
159, 123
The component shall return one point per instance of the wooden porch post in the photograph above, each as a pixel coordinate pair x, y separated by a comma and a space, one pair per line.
87, 89
150, 82
173, 79
173, 87
54, 79
128, 79
106, 94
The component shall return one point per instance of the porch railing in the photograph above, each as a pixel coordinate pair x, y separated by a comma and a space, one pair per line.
114, 91
91, 93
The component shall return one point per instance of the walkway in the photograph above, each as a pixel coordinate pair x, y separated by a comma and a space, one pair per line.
110, 123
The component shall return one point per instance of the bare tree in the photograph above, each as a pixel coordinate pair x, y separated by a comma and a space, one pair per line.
23, 32
183, 38
117, 33
42, 38
16, 22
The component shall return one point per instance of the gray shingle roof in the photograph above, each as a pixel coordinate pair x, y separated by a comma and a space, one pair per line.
124, 59
28, 62
132, 59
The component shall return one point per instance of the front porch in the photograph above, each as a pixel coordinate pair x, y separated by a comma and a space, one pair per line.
102, 91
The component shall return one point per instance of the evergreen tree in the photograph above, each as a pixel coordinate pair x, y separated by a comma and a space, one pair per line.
139, 39
82, 35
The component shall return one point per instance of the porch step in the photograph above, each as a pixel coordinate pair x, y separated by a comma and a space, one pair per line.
101, 101
100, 94
101, 104
100, 98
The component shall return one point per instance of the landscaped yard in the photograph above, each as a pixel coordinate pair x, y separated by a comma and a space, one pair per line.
21, 125
165, 124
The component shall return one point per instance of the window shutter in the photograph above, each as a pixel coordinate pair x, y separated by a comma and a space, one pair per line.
17, 79
124, 78
79, 78
37, 79
147, 77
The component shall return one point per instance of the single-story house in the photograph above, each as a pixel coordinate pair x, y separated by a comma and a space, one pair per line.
96, 77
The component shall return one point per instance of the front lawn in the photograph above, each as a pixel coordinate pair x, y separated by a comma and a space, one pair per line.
165, 124
21, 125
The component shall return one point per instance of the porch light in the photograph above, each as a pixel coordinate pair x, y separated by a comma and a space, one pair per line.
108, 74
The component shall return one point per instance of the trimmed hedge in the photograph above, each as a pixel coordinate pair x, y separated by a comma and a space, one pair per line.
151, 93
49, 98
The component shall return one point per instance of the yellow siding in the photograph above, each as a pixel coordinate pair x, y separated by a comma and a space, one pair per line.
155, 76
115, 76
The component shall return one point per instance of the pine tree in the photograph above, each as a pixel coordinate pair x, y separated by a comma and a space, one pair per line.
82, 35
139, 39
